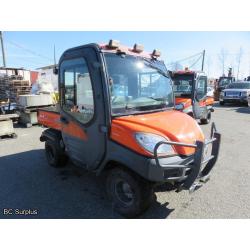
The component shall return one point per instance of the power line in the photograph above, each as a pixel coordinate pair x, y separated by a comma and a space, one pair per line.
37, 62
29, 51
196, 61
185, 59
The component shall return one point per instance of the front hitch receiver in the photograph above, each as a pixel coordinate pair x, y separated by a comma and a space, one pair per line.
201, 165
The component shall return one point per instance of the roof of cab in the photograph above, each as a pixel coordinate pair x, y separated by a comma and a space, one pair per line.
188, 72
106, 48
127, 50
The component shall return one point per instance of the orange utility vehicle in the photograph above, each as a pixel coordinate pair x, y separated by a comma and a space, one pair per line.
190, 88
116, 115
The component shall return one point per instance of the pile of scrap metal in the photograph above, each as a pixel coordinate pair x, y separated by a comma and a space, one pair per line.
41, 95
13, 86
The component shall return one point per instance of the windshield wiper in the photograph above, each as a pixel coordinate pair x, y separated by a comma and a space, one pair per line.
155, 98
154, 67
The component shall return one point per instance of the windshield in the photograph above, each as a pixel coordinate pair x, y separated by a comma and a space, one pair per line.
224, 81
183, 85
137, 85
239, 85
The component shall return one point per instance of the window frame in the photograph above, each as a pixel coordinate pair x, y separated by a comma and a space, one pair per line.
62, 88
205, 86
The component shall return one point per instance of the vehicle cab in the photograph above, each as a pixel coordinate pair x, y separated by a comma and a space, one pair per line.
116, 115
190, 89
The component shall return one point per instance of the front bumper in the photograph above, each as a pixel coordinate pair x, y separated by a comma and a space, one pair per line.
240, 99
186, 171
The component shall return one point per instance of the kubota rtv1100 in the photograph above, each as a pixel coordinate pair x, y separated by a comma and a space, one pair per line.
190, 89
116, 115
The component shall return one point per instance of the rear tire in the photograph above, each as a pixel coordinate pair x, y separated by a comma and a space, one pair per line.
129, 193
55, 154
207, 119
222, 103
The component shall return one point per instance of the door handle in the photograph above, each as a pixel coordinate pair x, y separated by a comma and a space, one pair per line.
64, 120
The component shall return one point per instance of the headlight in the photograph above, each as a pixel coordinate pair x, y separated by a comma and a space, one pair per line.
179, 106
148, 142
244, 93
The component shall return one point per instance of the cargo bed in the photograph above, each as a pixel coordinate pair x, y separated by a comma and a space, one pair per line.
49, 117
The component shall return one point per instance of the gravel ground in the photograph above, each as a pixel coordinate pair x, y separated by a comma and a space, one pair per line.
28, 183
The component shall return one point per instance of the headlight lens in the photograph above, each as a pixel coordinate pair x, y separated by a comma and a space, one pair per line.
244, 93
148, 142
179, 106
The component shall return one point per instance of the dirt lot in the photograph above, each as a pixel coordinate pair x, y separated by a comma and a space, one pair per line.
27, 182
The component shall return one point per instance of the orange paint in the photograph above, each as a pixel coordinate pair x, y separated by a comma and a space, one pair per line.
172, 125
187, 102
75, 130
209, 101
49, 119
52, 120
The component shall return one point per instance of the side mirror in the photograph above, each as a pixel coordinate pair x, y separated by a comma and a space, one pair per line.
179, 106
55, 70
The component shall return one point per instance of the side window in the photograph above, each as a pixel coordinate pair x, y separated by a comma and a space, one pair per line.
201, 87
77, 96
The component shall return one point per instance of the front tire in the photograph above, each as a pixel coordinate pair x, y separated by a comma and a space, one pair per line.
129, 193
55, 154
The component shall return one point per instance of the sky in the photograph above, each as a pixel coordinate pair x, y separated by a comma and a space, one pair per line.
32, 50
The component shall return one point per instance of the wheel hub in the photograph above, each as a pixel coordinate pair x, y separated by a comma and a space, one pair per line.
124, 192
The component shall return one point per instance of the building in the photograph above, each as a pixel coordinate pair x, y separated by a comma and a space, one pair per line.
47, 74
21, 73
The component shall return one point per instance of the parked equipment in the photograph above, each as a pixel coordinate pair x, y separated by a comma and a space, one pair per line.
28, 105
6, 125
237, 92
190, 88
223, 82
116, 114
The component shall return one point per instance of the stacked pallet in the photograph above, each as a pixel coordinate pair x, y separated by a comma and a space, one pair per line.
4, 88
13, 86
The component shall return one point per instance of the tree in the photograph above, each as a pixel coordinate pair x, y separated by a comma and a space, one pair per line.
222, 58
238, 58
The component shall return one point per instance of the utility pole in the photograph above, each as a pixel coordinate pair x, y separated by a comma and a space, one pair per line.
55, 54
203, 58
3, 54
239, 61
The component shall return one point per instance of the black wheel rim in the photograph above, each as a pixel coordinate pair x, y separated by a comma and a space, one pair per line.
124, 193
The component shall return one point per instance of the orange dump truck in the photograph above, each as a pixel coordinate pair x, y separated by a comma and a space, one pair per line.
116, 115
190, 88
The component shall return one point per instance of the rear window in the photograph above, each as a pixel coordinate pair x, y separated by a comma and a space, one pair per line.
240, 85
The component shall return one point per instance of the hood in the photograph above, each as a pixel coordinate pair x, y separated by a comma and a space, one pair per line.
173, 125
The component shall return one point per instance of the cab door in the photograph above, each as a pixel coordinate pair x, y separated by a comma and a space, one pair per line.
82, 107
200, 96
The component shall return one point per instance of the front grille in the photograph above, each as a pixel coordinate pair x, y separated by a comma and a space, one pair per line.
232, 93
173, 172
